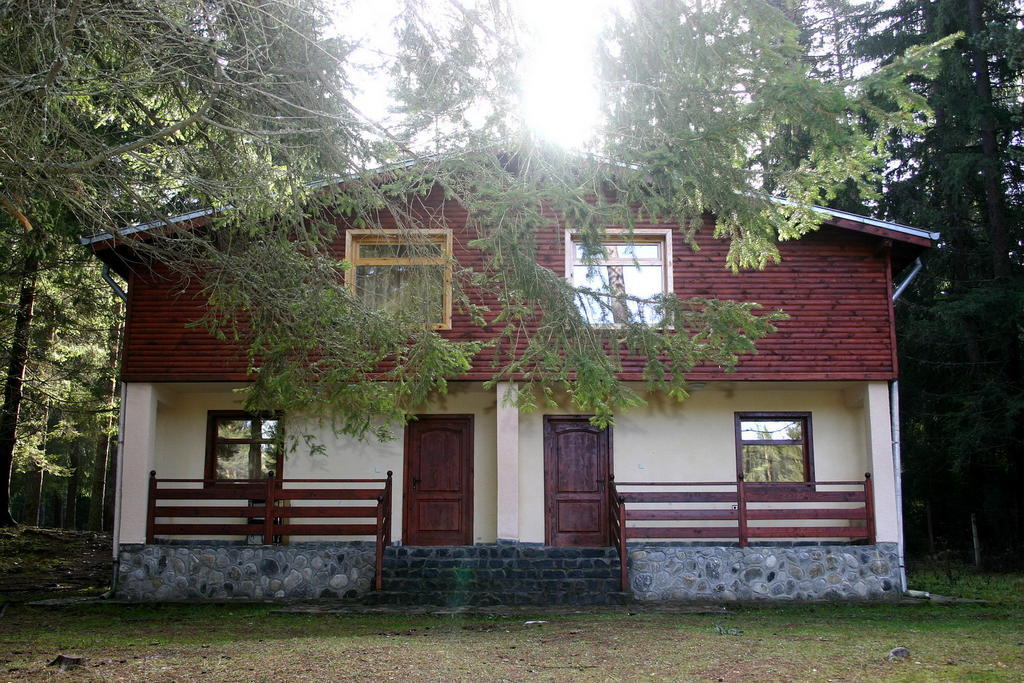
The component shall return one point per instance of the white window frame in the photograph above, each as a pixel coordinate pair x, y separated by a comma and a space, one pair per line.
662, 236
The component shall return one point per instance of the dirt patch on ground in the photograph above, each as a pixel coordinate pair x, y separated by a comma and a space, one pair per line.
52, 563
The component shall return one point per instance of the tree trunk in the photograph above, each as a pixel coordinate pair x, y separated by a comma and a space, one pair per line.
992, 169
111, 487
33, 495
100, 490
74, 483
98, 485
14, 387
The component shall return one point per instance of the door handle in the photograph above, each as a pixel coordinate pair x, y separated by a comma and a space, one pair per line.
415, 482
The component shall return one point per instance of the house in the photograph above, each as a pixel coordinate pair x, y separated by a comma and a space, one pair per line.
777, 481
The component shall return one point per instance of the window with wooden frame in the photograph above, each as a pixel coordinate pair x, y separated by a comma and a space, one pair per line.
628, 273
241, 445
774, 447
409, 271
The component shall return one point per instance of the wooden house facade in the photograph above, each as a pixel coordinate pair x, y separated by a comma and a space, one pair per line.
776, 481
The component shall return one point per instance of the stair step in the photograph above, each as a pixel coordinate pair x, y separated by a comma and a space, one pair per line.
493, 599
492, 575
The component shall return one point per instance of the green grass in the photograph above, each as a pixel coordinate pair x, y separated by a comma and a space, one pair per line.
249, 642
793, 642
966, 582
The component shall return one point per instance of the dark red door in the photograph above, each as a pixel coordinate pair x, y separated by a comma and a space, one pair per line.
577, 460
439, 481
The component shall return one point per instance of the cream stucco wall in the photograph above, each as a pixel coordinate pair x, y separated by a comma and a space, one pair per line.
345, 457
180, 447
695, 441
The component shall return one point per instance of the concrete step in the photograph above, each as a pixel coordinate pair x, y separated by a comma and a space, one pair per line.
493, 599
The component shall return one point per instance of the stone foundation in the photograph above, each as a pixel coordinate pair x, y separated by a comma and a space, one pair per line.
507, 574
221, 571
711, 573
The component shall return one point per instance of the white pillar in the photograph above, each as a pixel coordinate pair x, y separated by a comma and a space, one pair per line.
883, 474
508, 462
137, 459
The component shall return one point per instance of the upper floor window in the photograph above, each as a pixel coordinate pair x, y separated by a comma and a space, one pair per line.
628, 272
772, 447
400, 271
241, 445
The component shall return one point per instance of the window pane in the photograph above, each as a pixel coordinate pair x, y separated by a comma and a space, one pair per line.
633, 251
231, 428
269, 453
642, 282
269, 430
415, 289
246, 461
622, 251
773, 463
403, 250
771, 430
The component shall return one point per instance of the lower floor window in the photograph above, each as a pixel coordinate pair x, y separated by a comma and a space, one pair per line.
774, 447
242, 445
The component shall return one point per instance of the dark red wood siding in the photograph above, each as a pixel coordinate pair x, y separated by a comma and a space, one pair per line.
835, 284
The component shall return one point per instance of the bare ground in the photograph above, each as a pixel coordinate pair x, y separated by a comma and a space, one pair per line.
51, 563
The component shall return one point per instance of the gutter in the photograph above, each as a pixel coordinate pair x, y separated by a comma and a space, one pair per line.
887, 225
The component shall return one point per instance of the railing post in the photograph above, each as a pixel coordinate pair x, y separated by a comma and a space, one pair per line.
268, 510
387, 509
378, 559
623, 556
151, 509
741, 509
869, 507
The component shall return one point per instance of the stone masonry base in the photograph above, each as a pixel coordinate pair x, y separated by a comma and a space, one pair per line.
219, 571
506, 573
781, 573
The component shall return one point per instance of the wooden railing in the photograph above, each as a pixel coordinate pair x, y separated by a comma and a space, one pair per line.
737, 511
261, 507
617, 528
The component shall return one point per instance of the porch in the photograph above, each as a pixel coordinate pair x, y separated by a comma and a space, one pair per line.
524, 490
275, 512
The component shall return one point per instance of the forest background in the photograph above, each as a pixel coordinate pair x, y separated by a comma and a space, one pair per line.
959, 325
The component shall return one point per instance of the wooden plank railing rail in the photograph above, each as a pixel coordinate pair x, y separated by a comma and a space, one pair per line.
263, 507
617, 528
739, 509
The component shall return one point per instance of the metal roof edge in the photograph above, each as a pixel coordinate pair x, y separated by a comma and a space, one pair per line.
132, 229
887, 225
836, 213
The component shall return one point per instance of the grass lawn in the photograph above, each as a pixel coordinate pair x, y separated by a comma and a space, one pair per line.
805, 642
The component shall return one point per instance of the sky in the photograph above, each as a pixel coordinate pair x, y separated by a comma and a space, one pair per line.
557, 76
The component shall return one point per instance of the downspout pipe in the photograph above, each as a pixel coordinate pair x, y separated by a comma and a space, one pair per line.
894, 405
908, 279
119, 494
120, 293
119, 489
897, 464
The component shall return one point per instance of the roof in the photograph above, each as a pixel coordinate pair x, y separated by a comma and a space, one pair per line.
841, 219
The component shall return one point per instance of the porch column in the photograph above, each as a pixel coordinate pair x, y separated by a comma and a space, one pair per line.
137, 459
883, 474
508, 462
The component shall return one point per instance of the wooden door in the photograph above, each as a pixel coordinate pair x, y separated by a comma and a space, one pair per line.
438, 489
577, 461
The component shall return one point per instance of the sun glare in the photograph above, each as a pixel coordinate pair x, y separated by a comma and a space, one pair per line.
559, 80
557, 74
